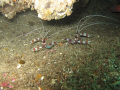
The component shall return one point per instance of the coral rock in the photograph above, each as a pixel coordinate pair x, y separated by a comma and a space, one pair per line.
46, 9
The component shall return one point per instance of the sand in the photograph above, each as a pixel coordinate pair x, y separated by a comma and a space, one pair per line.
64, 66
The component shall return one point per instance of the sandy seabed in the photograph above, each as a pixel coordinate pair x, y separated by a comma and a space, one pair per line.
64, 66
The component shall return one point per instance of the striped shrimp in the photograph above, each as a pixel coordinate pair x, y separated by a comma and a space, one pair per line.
44, 45
77, 39
82, 24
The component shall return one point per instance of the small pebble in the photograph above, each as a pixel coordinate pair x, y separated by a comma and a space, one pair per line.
21, 62
18, 66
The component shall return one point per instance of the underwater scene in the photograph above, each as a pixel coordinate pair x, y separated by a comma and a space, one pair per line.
78, 52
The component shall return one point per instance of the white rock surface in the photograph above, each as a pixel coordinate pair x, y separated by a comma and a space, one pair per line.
46, 9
